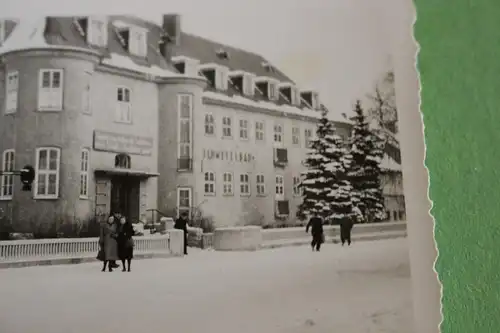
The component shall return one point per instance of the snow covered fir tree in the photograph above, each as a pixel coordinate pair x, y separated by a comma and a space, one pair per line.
325, 187
366, 150
317, 179
340, 196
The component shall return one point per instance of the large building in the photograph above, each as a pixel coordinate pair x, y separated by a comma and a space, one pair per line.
120, 114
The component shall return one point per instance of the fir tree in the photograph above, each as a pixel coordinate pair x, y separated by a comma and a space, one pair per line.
364, 171
341, 201
317, 180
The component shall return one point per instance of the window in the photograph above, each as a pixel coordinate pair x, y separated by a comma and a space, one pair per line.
209, 124
259, 131
209, 183
84, 174
227, 181
185, 125
7, 183
273, 90
280, 186
98, 32
138, 42
185, 65
122, 161
47, 173
244, 184
278, 133
261, 186
50, 90
226, 127
12, 92
123, 107
86, 94
248, 84
307, 138
296, 186
296, 136
217, 76
184, 197
244, 129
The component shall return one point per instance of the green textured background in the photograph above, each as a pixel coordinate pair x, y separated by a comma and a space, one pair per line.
459, 65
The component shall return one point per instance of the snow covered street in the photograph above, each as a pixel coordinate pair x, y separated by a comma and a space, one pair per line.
362, 289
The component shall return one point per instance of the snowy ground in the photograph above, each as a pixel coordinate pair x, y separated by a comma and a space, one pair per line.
362, 289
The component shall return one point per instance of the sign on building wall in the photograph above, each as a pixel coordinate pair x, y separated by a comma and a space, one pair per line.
227, 155
123, 143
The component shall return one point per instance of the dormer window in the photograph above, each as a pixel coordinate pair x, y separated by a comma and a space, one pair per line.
243, 82
290, 93
268, 87
132, 38
185, 65
311, 99
96, 30
216, 75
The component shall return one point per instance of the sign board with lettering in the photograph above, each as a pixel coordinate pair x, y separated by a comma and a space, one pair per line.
123, 143
228, 155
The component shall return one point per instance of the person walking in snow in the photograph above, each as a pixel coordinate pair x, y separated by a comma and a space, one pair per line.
182, 224
345, 230
347, 224
316, 225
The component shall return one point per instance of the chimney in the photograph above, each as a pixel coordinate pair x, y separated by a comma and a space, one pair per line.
172, 27
170, 36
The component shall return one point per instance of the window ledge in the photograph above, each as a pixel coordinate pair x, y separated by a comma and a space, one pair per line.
83, 197
228, 195
45, 197
6, 198
245, 195
209, 194
48, 110
262, 195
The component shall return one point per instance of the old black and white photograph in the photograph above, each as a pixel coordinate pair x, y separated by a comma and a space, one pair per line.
221, 168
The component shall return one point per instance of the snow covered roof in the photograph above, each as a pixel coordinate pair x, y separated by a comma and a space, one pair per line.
287, 109
29, 33
123, 62
65, 33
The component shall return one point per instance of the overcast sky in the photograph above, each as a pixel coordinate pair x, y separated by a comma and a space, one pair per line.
339, 47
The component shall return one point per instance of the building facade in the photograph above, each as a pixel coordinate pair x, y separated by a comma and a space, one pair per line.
120, 114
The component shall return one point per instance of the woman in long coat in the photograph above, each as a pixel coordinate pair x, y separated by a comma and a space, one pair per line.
108, 243
125, 242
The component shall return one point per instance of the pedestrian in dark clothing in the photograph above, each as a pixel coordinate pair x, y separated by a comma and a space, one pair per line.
117, 217
181, 224
108, 244
316, 225
345, 230
125, 243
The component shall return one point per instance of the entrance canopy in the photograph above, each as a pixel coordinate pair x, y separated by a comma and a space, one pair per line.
125, 172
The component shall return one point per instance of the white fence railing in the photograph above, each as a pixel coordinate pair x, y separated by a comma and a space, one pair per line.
73, 247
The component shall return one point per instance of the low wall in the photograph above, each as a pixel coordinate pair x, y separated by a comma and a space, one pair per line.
331, 230
234, 238
247, 238
47, 251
